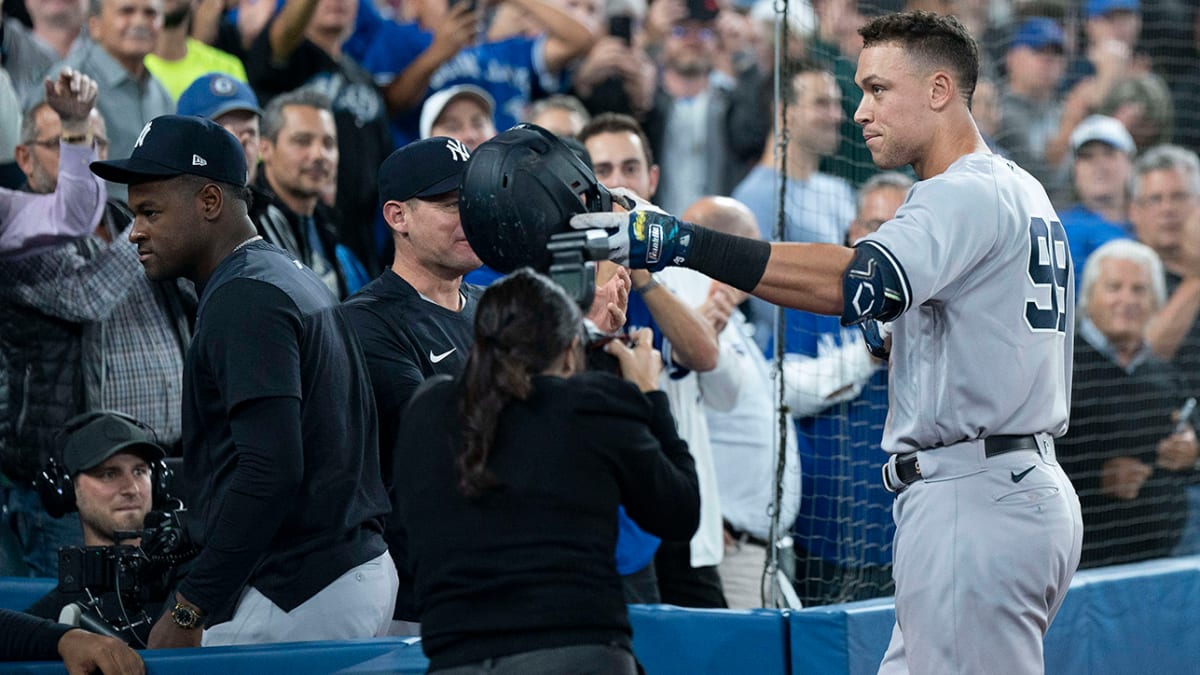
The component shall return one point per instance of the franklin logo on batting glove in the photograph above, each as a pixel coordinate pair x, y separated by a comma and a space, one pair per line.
645, 238
651, 233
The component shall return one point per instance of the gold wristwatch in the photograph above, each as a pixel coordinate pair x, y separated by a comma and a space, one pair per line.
186, 616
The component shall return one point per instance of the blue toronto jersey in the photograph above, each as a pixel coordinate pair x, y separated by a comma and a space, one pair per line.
513, 71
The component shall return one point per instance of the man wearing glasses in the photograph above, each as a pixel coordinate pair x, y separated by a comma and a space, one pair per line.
64, 118
80, 326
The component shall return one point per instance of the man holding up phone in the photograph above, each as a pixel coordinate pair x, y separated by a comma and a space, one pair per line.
412, 61
694, 101
613, 77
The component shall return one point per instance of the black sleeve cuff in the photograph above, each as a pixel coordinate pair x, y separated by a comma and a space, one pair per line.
737, 261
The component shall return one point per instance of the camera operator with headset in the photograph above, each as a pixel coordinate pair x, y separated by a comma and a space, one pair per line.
111, 471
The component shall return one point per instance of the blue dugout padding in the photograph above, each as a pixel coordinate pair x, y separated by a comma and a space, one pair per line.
20, 592
1131, 619
1138, 619
290, 658
669, 640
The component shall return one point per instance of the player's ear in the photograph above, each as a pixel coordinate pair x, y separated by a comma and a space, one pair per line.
211, 200
396, 214
942, 90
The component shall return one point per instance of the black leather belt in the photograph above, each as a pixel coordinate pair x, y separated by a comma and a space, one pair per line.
908, 469
742, 536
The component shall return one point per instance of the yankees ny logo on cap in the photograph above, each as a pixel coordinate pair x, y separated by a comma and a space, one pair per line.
142, 136
172, 145
458, 150
425, 168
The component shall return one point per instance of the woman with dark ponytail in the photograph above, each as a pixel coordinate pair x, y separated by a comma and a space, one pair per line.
508, 484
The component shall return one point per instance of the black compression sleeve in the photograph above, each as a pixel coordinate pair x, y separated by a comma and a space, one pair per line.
28, 638
268, 473
737, 261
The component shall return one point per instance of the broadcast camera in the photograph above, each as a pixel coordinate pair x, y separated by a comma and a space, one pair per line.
121, 582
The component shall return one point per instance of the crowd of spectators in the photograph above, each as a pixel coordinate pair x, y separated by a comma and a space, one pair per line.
679, 103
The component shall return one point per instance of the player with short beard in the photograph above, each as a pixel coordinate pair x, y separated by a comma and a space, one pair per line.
973, 277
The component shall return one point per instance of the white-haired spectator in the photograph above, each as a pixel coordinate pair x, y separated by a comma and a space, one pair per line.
1128, 454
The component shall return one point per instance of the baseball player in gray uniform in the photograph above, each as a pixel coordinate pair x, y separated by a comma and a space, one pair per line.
973, 277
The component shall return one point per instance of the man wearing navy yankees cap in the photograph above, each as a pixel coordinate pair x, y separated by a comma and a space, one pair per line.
416, 320
279, 425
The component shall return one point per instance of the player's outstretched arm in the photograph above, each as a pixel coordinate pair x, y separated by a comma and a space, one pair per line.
801, 276
805, 276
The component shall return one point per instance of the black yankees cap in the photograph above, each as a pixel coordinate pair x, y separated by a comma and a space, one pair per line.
424, 168
173, 145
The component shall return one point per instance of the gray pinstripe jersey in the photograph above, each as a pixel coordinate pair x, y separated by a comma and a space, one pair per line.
984, 346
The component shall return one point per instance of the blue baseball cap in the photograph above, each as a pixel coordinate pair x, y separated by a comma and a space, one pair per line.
174, 145
1039, 33
215, 94
1096, 8
425, 168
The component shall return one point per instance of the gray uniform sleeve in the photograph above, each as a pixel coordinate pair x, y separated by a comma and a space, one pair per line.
941, 232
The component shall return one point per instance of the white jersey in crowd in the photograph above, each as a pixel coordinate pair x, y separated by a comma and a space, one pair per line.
984, 346
686, 397
745, 438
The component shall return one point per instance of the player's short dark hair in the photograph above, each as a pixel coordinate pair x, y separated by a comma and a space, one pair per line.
937, 41
616, 123
272, 119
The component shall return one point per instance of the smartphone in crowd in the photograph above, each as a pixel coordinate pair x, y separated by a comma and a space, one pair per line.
621, 27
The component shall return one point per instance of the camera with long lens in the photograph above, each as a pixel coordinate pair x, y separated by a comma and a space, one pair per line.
120, 583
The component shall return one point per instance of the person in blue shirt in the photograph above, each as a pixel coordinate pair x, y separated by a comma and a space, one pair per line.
410, 61
1104, 153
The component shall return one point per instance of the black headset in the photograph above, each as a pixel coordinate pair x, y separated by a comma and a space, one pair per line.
55, 485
